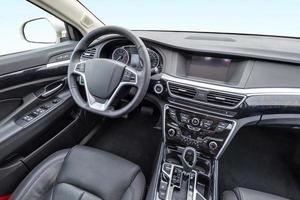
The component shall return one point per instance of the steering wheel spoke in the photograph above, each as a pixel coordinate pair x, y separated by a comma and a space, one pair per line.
80, 68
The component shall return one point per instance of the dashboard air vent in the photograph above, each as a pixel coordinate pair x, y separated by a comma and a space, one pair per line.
89, 53
224, 99
183, 91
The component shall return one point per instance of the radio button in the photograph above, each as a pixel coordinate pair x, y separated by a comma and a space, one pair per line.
171, 132
221, 126
207, 123
184, 118
212, 145
195, 121
196, 129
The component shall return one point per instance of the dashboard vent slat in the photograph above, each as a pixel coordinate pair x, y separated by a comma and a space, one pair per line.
89, 53
224, 99
183, 91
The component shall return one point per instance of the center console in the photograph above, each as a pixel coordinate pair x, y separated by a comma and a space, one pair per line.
207, 134
193, 141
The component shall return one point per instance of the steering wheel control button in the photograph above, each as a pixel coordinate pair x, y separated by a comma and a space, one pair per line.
128, 76
158, 88
80, 67
212, 145
171, 132
195, 121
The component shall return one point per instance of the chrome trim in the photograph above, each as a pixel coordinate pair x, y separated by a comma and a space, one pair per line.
200, 109
241, 91
48, 93
228, 138
58, 64
202, 102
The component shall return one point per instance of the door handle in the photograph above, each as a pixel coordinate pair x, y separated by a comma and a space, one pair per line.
48, 93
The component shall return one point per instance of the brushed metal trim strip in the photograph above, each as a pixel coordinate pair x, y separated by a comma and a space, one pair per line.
58, 64
241, 91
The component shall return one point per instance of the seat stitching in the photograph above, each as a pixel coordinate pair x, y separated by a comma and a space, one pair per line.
55, 182
81, 195
37, 177
238, 194
51, 196
83, 189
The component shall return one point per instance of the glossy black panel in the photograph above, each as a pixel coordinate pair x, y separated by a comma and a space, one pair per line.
271, 104
30, 75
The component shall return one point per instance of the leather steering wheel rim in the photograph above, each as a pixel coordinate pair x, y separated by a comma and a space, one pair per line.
142, 75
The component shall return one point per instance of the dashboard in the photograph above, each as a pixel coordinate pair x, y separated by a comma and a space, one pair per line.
207, 93
212, 79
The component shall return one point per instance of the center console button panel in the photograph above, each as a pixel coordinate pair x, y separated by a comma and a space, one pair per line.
206, 133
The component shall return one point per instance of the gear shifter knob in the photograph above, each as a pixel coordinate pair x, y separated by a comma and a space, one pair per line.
189, 159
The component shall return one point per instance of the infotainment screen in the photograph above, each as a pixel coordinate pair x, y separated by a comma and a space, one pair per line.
208, 68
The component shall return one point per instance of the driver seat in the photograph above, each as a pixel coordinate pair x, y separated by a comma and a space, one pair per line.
83, 173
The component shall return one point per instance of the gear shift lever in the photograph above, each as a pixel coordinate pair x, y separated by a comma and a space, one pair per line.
189, 159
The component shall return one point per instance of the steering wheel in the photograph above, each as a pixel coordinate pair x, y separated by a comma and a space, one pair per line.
104, 78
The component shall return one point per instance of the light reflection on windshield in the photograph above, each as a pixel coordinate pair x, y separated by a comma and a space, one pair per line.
280, 17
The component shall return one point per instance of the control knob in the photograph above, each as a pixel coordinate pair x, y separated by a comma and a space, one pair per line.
158, 88
212, 145
171, 132
195, 121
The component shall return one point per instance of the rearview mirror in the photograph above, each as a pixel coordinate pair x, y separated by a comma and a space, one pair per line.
43, 30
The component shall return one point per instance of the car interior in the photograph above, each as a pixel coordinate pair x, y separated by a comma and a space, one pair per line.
108, 113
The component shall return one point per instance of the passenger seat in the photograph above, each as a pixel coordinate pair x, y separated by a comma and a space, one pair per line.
248, 194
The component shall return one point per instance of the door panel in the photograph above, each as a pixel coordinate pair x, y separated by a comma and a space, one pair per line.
34, 58
8, 106
37, 113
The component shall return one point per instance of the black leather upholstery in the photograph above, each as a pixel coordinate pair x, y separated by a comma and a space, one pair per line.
247, 194
83, 173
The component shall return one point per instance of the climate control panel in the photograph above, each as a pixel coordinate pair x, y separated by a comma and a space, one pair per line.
204, 132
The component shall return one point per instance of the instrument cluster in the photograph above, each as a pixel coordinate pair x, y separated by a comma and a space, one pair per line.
128, 55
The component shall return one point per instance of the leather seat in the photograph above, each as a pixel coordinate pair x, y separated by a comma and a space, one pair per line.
83, 173
248, 194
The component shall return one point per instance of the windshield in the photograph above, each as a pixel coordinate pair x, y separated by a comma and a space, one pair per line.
279, 17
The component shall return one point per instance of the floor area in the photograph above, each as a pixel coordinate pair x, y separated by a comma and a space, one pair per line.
264, 159
133, 138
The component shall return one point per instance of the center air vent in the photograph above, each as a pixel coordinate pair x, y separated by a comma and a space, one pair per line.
224, 99
183, 91
205, 95
89, 53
